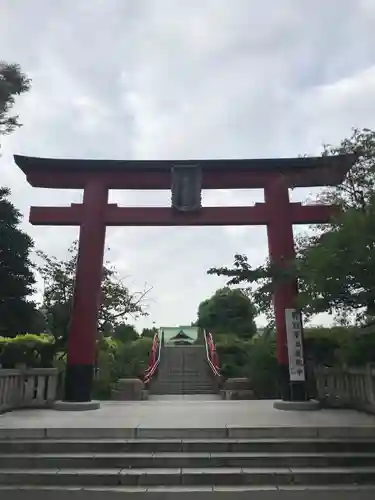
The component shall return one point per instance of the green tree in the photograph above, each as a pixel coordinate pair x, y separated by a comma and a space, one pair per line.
117, 305
357, 189
335, 267
228, 311
125, 333
12, 83
149, 332
17, 314
257, 283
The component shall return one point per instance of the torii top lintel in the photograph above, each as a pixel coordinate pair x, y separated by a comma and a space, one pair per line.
156, 174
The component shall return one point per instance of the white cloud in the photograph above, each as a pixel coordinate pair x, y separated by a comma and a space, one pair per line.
194, 79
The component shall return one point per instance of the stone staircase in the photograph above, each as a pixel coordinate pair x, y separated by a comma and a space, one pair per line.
186, 461
183, 370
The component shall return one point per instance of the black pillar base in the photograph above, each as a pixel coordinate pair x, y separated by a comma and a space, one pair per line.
78, 383
291, 391
284, 383
298, 391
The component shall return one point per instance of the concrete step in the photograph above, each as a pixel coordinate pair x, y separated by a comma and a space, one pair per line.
183, 384
185, 460
264, 432
195, 380
184, 376
179, 380
242, 492
176, 392
186, 445
189, 477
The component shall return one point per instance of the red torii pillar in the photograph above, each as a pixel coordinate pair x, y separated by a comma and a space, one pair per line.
87, 294
281, 251
96, 177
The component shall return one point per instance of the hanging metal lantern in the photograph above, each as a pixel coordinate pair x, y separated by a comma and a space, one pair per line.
186, 188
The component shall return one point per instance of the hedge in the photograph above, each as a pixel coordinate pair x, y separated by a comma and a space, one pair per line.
31, 350
256, 358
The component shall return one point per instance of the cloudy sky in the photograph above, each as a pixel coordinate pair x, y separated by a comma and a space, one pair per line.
180, 79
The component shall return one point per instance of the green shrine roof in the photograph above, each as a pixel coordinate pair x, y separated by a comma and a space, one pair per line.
179, 332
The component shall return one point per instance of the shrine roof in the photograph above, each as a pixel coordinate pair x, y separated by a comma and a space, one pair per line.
305, 171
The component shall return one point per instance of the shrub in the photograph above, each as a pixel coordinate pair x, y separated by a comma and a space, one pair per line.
254, 359
34, 351
359, 351
117, 360
131, 359
233, 355
339, 346
262, 369
105, 377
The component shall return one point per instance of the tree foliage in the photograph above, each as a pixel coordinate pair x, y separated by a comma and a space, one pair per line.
59, 275
228, 311
357, 189
335, 267
12, 83
125, 333
149, 332
17, 314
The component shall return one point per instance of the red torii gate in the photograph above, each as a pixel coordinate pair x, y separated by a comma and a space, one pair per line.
185, 179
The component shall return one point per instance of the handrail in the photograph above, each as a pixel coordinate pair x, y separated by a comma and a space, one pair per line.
211, 354
154, 359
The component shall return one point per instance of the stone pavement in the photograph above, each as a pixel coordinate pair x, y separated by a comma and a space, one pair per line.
259, 493
186, 414
194, 417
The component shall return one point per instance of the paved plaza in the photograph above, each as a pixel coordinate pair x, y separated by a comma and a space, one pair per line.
193, 417
193, 413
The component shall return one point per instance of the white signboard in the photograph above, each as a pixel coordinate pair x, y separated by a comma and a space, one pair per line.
295, 348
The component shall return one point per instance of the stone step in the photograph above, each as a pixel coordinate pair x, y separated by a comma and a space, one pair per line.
176, 389
181, 390
190, 385
239, 492
198, 379
184, 376
185, 460
175, 380
183, 385
265, 432
181, 374
186, 445
189, 477
181, 378
177, 392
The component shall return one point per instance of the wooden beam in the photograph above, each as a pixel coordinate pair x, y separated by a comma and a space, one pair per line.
56, 216
312, 214
256, 215
153, 216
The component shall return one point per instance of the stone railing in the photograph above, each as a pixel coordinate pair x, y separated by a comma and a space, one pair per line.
27, 388
347, 387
